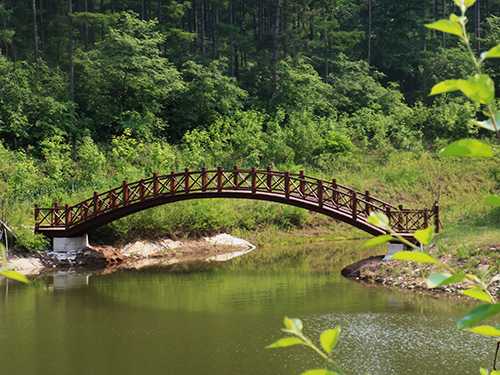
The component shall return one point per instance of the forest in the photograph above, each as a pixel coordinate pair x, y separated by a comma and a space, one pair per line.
96, 91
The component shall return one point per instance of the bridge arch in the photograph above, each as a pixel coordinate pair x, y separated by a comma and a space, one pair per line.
325, 197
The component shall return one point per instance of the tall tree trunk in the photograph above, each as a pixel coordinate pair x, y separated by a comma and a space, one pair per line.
86, 28
369, 29
202, 28
326, 42
35, 32
477, 24
217, 31
231, 41
5, 29
143, 11
275, 47
42, 32
71, 64
444, 16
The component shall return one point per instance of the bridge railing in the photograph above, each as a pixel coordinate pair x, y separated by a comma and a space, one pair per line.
294, 186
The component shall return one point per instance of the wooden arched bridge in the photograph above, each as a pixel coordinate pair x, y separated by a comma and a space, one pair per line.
326, 197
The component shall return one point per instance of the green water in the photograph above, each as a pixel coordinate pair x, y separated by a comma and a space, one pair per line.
217, 319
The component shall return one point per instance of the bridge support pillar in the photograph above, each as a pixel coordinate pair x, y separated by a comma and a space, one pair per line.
392, 249
65, 244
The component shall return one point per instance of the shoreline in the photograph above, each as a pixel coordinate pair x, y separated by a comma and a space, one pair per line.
412, 276
136, 255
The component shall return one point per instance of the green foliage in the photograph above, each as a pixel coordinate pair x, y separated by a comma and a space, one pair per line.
208, 95
5, 268
328, 340
124, 81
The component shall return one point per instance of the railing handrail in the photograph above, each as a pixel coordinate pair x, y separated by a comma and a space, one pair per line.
296, 186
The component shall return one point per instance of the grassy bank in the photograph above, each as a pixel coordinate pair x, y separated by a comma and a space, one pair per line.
414, 178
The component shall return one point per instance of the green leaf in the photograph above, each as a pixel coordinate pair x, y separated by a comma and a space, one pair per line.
426, 235
478, 314
477, 294
468, 147
377, 240
445, 86
486, 330
446, 26
11, 274
292, 325
287, 341
414, 256
479, 88
492, 200
319, 372
469, 3
288, 322
494, 52
329, 339
379, 219
488, 124
440, 279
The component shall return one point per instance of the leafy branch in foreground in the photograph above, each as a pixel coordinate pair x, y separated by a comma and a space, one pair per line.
7, 270
328, 340
481, 89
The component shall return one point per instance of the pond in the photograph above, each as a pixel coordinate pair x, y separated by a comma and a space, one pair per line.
217, 318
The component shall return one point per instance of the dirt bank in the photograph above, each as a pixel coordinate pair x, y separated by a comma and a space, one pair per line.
410, 275
134, 255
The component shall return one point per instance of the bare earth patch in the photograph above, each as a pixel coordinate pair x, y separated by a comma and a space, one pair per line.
134, 255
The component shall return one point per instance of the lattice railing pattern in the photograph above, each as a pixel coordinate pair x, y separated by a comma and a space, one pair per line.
317, 192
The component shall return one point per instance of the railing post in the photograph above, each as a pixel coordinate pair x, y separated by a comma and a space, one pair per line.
219, 179
85, 211
172, 183
186, 181
436, 216
37, 215
56, 214
320, 193
302, 184
335, 192
67, 214
204, 179
269, 179
96, 203
235, 178
400, 217
155, 184
254, 180
354, 205
287, 184
125, 192
141, 190
368, 207
113, 199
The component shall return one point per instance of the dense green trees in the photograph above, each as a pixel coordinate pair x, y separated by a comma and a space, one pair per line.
74, 68
94, 91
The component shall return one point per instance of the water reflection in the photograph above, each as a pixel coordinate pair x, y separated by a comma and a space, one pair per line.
217, 318
73, 280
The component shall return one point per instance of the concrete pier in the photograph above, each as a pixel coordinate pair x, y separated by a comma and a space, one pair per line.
392, 249
65, 244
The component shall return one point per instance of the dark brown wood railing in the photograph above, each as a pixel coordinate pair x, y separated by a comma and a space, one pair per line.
327, 197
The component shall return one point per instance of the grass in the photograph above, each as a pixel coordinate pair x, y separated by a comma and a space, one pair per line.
415, 179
